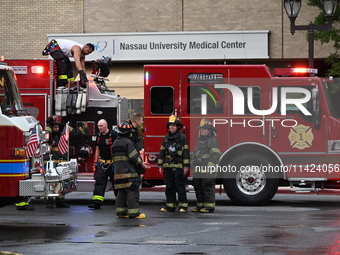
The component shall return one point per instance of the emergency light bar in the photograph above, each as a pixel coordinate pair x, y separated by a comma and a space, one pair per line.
300, 71
304, 70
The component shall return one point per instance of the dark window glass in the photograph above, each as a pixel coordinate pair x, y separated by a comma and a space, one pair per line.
162, 100
292, 108
214, 99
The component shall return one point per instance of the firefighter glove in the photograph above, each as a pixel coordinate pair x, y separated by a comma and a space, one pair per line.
83, 77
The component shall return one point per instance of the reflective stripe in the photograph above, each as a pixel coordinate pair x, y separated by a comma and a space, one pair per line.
183, 204
186, 161
121, 209
211, 164
123, 185
62, 77
200, 204
215, 150
121, 158
171, 205
172, 165
71, 79
124, 176
209, 205
15, 167
132, 154
22, 204
100, 198
133, 211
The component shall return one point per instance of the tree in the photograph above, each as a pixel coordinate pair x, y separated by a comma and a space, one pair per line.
325, 37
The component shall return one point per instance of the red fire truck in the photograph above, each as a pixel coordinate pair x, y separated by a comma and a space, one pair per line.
20, 175
35, 98
274, 130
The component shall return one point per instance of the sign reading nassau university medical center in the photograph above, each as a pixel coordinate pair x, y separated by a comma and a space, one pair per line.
175, 45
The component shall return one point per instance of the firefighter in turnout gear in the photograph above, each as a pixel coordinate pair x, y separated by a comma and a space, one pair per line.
128, 171
61, 51
103, 163
55, 128
174, 162
203, 165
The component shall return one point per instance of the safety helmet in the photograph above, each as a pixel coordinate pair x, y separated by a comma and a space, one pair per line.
123, 128
204, 123
54, 120
85, 152
174, 120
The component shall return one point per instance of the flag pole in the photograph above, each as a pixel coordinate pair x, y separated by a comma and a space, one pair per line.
68, 140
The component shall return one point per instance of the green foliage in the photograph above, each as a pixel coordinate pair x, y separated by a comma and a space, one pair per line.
326, 37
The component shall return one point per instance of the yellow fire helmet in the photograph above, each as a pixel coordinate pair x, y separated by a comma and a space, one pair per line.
204, 123
174, 120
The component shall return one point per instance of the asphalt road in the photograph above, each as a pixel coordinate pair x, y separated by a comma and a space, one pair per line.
289, 224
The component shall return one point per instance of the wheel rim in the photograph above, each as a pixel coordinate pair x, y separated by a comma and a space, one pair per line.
251, 180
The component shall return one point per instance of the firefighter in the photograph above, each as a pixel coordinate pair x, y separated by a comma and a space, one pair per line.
174, 162
136, 122
55, 128
128, 169
205, 157
61, 51
103, 163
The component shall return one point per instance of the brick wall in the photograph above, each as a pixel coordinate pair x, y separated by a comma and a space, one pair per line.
25, 24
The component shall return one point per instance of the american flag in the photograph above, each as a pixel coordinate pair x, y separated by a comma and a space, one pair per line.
63, 142
32, 144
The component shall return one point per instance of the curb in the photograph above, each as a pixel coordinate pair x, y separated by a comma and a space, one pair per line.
281, 190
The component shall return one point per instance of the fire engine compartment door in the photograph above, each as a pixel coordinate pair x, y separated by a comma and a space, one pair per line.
36, 105
301, 146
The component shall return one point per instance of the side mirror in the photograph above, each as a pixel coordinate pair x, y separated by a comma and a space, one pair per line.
316, 107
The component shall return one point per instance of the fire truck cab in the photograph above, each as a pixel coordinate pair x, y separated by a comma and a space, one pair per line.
273, 130
24, 109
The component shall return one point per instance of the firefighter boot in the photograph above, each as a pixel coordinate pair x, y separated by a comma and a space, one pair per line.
167, 209
25, 208
94, 205
62, 82
49, 203
61, 203
140, 216
207, 210
198, 207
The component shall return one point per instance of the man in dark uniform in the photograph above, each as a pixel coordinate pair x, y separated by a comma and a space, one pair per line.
103, 163
136, 122
55, 128
174, 162
128, 169
204, 160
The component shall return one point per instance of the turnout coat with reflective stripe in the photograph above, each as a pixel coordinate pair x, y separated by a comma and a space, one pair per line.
180, 157
126, 159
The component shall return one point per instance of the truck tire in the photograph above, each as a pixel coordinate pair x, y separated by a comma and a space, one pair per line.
252, 186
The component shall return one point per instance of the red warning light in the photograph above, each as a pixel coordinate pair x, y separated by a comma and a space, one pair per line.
37, 69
